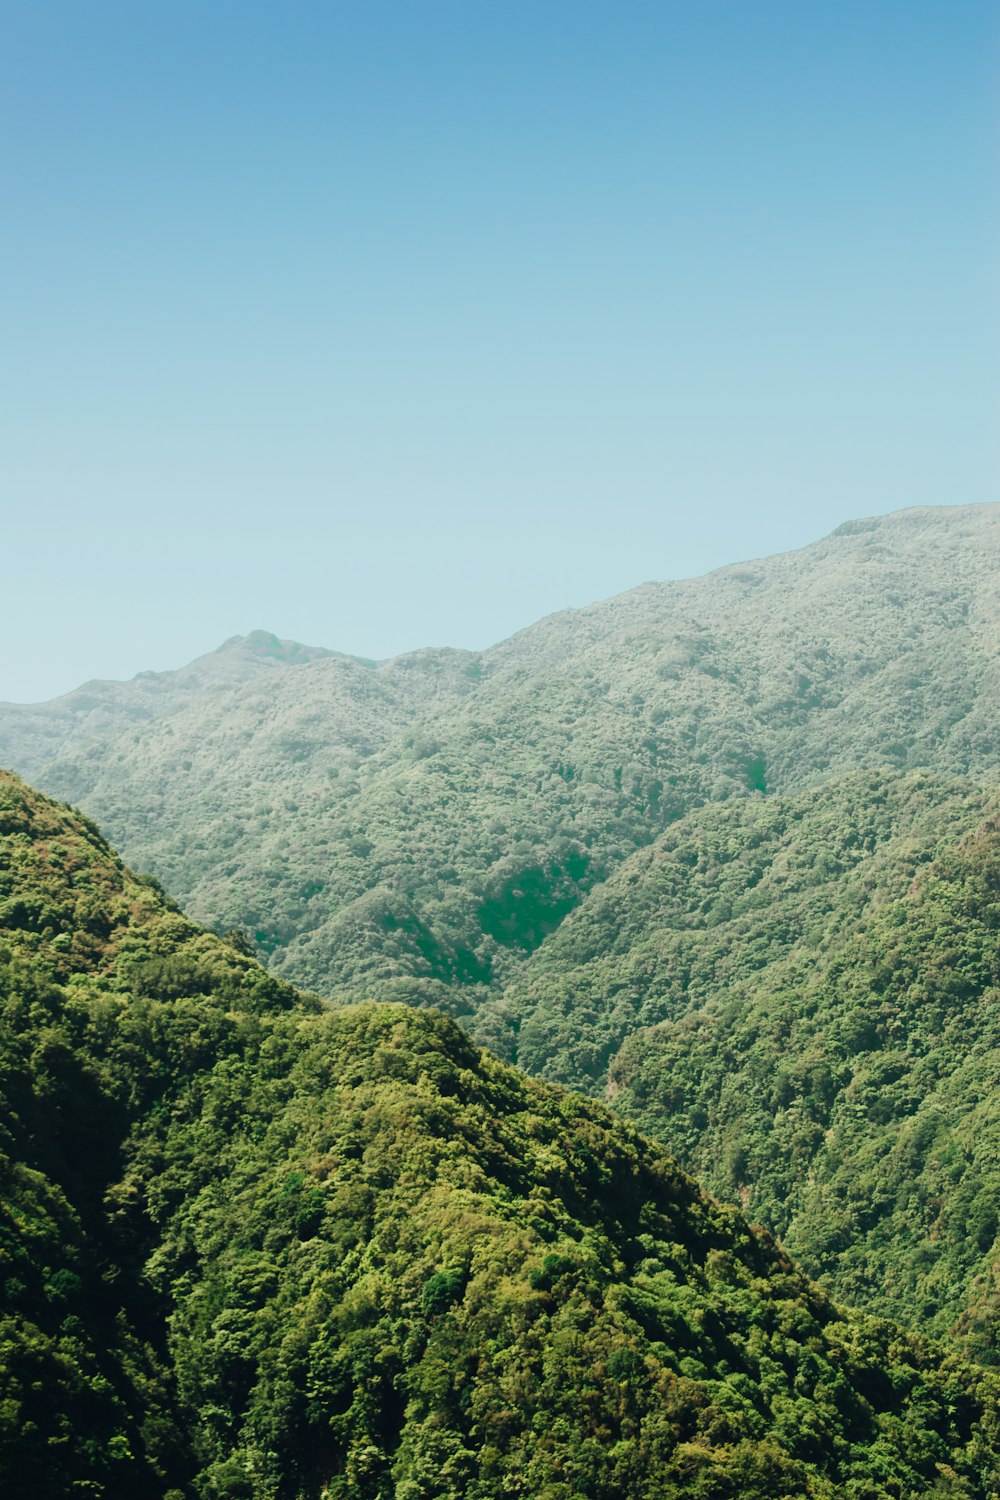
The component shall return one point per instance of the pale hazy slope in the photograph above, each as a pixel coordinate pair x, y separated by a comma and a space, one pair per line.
31, 734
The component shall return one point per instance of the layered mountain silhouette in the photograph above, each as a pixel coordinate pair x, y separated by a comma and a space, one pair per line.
438, 815
720, 852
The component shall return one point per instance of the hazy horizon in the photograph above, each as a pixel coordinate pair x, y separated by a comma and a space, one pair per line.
390, 325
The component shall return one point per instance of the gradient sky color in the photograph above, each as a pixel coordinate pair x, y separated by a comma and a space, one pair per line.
383, 325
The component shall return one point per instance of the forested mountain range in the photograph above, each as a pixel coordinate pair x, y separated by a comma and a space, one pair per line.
722, 852
437, 816
252, 1247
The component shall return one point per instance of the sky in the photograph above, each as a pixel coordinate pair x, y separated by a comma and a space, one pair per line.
383, 325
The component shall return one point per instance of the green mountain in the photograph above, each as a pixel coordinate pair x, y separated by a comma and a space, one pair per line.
798, 995
682, 849
437, 817
254, 1248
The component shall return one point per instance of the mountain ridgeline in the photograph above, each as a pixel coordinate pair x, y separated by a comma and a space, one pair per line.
32, 733
254, 1247
800, 996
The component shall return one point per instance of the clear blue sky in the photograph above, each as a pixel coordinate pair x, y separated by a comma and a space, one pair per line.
390, 324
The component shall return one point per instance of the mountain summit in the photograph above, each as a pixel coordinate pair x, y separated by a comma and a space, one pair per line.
700, 847
32, 733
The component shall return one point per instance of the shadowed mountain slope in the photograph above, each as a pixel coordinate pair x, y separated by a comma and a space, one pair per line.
252, 1249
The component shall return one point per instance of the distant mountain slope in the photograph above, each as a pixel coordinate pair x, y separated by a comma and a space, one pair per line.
448, 854
715, 903
239, 785
252, 1249
32, 733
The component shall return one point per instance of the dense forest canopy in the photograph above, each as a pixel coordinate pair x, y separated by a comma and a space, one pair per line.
800, 996
252, 1247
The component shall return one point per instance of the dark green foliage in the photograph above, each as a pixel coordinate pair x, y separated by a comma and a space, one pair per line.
251, 1248
522, 904
673, 848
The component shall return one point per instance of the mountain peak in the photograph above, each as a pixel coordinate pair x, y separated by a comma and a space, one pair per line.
266, 644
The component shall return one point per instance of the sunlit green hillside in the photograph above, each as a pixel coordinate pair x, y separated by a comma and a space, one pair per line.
707, 851
799, 995
250, 1248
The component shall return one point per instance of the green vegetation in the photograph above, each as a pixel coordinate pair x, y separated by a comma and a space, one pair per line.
252, 1248
725, 853
32, 733
799, 997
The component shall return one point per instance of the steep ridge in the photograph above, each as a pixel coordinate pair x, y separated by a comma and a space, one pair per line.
250, 1248
31, 734
717, 903
447, 852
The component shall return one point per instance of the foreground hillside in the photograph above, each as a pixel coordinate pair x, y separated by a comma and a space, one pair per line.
250, 1248
362, 838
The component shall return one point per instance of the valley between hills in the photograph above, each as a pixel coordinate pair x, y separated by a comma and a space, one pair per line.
711, 870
